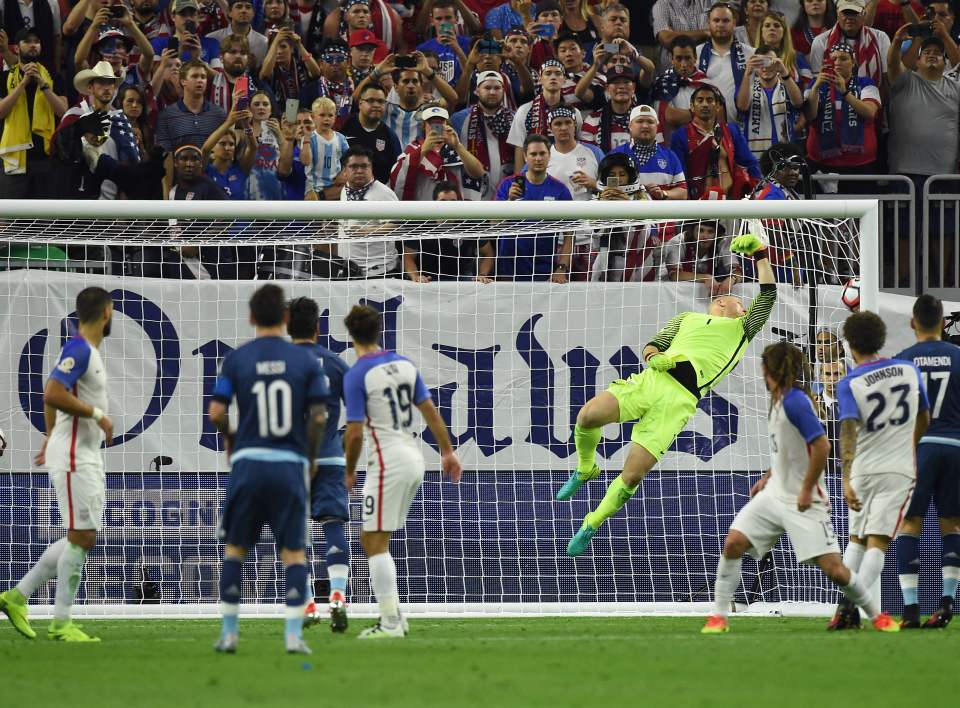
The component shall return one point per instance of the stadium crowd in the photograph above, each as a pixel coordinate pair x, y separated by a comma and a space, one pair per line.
477, 100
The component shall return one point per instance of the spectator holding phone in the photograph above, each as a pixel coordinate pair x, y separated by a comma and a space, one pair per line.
775, 34
572, 163
723, 58
487, 55
288, 67
437, 157
544, 31
484, 127
186, 38
112, 37
241, 24
274, 150
534, 257
503, 18
231, 154
450, 47
531, 118
516, 64
276, 16
870, 45
234, 74
608, 56
609, 127
769, 101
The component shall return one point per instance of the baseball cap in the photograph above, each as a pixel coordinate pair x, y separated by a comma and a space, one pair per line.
644, 112
363, 36
489, 76
25, 32
434, 112
856, 5
113, 33
621, 73
181, 5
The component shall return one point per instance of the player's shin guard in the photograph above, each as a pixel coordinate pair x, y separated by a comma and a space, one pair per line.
586, 440
69, 572
859, 595
728, 579
231, 578
338, 557
871, 567
951, 564
853, 556
383, 578
296, 601
44, 570
908, 566
617, 495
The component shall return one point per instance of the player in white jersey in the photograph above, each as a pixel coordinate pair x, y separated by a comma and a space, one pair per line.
883, 414
381, 391
74, 400
789, 498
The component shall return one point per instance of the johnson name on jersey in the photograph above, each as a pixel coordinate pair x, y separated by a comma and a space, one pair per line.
885, 396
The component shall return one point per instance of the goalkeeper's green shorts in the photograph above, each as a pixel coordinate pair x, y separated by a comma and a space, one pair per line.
658, 403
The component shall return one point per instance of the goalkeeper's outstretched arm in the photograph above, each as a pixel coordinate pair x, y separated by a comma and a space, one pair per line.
762, 304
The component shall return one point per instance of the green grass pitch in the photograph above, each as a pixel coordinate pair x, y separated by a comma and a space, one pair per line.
553, 662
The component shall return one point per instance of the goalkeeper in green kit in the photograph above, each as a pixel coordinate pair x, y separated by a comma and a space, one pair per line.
686, 359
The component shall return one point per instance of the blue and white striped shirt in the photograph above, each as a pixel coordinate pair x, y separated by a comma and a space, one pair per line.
406, 125
325, 165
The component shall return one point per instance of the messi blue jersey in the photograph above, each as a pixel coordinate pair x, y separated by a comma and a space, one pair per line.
274, 382
334, 368
939, 362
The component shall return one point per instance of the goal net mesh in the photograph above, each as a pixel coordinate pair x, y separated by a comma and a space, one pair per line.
509, 364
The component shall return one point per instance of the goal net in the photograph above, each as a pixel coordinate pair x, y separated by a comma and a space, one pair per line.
508, 362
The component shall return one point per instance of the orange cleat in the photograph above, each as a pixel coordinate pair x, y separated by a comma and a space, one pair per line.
885, 623
715, 625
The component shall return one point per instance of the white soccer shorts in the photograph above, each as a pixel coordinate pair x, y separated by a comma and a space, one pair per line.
81, 496
767, 517
884, 498
388, 494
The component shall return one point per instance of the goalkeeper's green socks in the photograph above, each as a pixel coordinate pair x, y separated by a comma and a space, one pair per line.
617, 495
586, 440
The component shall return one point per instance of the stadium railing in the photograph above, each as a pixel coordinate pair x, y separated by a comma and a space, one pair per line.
941, 237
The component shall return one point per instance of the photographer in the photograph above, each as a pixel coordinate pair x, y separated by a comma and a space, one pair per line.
186, 39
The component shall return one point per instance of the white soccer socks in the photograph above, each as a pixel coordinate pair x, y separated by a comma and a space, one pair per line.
44, 570
69, 572
383, 579
728, 578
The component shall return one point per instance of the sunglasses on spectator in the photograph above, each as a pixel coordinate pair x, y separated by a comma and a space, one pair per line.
334, 58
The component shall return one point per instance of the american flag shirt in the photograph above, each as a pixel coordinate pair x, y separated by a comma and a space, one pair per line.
121, 144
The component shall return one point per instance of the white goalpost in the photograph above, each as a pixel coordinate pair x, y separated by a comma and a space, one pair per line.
508, 362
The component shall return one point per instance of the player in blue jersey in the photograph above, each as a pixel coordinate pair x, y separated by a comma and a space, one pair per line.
883, 413
381, 391
938, 465
328, 494
788, 498
281, 395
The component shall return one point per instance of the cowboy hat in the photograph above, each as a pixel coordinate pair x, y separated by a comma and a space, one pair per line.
103, 70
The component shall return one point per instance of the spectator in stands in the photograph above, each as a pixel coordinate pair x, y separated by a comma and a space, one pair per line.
924, 110
672, 90
775, 34
658, 168
322, 152
782, 166
816, 17
132, 100
193, 119
543, 32
374, 15
274, 152
870, 46
426, 260
451, 48
516, 64
148, 19
276, 16
241, 19
939, 18
437, 157
30, 107
505, 17
531, 118
769, 101
105, 40
487, 55
191, 181
212, 16
166, 79
467, 22
716, 158
570, 54
366, 128
609, 127
484, 127
572, 163
374, 259
841, 108
534, 257
679, 18
40, 16
614, 23
751, 14
335, 82
722, 57
888, 15
186, 30
228, 167
363, 50
703, 255
235, 55
308, 17
288, 67
828, 347
578, 21
403, 116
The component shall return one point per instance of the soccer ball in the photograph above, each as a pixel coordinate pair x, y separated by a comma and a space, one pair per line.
851, 294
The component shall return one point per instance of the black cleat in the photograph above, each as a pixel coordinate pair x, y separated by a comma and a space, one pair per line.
338, 616
941, 618
846, 617
911, 617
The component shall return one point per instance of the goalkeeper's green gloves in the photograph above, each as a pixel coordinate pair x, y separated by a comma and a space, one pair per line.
660, 362
748, 245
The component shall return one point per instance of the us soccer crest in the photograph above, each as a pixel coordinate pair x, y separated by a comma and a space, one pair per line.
381, 144
662, 164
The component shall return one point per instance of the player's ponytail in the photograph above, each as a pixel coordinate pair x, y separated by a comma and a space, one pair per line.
788, 366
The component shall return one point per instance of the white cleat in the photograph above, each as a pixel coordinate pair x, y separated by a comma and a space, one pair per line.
295, 645
381, 631
226, 644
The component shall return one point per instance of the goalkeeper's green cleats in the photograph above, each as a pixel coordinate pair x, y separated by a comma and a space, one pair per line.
68, 632
581, 539
14, 605
572, 485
